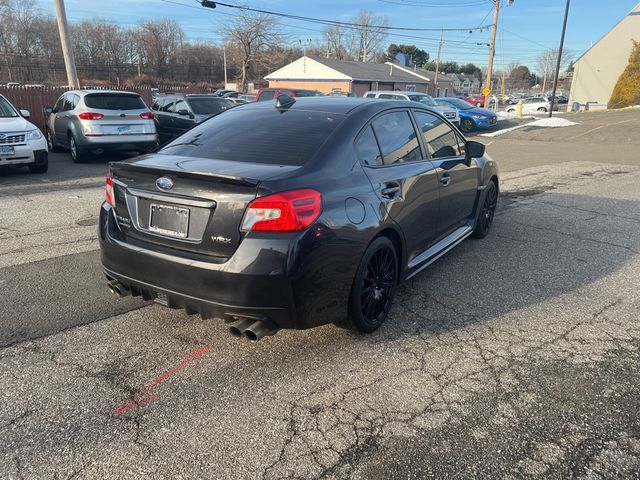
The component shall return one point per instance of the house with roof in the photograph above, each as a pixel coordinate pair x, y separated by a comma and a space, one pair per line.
466, 84
330, 75
440, 86
597, 70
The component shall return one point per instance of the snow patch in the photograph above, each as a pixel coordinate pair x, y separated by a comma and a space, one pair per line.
553, 122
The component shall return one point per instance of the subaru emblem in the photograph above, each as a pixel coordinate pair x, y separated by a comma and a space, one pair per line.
164, 183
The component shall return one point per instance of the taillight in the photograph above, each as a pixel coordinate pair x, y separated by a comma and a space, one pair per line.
109, 196
290, 211
147, 115
90, 116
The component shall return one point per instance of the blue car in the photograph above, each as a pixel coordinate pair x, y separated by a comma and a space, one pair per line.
471, 118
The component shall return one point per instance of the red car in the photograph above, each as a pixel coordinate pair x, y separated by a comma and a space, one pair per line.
475, 100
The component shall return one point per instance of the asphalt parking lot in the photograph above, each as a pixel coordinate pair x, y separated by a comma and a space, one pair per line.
516, 356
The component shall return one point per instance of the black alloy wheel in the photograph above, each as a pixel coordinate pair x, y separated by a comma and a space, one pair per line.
485, 219
542, 109
466, 125
374, 286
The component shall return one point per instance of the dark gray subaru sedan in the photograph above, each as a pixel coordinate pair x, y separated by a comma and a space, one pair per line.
295, 213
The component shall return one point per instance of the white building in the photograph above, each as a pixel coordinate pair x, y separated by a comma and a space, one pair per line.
598, 69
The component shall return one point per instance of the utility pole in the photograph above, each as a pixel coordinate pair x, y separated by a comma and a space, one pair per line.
67, 47
435, 79
364, 45
224, 61
492, 50
555, 80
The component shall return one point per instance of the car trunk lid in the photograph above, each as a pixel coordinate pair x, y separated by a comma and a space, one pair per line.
187, 204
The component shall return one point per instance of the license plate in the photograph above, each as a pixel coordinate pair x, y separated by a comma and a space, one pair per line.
124, 128
6, 150
168, 220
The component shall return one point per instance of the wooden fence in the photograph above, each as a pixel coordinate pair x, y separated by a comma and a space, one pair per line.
35, 99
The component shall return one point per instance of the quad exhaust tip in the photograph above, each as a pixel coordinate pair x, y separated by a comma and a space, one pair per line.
251, 328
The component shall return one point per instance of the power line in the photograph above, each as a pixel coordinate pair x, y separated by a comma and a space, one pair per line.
344, 24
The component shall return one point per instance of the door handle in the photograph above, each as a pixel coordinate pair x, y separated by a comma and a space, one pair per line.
445, 179
390, 190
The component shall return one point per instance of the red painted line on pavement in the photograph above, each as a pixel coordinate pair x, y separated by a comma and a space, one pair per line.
142, 397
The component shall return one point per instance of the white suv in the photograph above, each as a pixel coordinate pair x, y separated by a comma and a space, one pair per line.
449, 113
21, 142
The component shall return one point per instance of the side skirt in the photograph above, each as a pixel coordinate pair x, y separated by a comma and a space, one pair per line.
439, 249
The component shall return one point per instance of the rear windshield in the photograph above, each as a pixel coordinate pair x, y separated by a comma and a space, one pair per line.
114, 101
257, 135
309, 93
209, 106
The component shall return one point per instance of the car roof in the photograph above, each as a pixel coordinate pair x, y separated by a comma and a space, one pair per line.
396, 92
83, 92
338, 105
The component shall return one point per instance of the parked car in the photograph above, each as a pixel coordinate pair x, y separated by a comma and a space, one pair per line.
90, 122
21, 142
560, 99
514, 98
177, 112
534, 105
271, 93
449, 113
247, 97
221, 91
471, 118
231, 94
476, 100
313, 214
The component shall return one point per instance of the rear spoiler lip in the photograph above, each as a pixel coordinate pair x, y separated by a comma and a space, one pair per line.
123, 166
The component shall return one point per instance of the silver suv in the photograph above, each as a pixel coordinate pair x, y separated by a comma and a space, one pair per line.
95, 121
450, 114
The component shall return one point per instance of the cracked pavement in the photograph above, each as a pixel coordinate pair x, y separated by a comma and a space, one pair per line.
515, 356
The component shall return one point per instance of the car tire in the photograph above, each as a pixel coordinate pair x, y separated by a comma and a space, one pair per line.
487, 212
50, 143
41, 165
374, 287
466, 125
511, 110
542, 109
77, 155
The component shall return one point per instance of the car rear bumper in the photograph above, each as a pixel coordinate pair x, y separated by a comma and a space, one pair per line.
119, 143
262, 279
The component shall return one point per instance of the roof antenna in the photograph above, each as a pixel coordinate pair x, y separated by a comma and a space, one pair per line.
284, 101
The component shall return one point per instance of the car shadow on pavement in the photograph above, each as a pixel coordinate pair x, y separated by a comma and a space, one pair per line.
541, 247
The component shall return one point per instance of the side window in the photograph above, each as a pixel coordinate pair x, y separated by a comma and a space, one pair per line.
168, 105
75, 100
68, 103
157, 104
370, 95
386, 95
181, 105
60, 104
397, 138
440, 140
266, 95
367, 148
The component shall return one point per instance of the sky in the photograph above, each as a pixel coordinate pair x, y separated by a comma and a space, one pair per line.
526, 28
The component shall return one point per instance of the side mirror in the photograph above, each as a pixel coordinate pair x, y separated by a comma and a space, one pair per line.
49, 110
183, 112
474, 150
25, 113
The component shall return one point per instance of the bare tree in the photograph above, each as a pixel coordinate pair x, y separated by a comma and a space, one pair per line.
547, 61
371, 33
251, 34
158, 43
340, 42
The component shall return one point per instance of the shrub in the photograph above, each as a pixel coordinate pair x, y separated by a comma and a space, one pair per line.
626, 93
